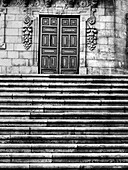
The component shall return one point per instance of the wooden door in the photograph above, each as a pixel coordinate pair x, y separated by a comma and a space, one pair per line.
59, 45
69, 35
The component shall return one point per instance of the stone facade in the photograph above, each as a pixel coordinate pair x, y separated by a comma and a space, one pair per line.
108, 54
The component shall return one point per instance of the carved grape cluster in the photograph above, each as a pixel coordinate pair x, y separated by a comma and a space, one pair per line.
92, 38
91, 31
27, 32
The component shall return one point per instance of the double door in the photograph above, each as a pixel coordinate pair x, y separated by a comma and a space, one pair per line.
59, 45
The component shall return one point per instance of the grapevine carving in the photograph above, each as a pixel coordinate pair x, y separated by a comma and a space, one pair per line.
48, 3
27, 32
91, 30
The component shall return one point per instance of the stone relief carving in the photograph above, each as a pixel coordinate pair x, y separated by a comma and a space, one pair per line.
2, 27
27, 32
91, 31
48, 3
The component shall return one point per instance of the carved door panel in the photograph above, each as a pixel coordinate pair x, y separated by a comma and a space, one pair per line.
49, 45
59, 45
69, 49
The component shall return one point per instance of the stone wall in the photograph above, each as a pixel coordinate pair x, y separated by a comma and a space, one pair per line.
14, 58
107, 58
120, 34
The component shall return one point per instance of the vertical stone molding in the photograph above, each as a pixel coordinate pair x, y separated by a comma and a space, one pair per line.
127, 33
27, 32
2, 27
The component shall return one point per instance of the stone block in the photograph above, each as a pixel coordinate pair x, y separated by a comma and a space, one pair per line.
13, 39
107, 48
105, 71
109, 25
91, 56
14, 24
13, 70
103, 40
102, 25
19, 17
13, 54
107, 56
106, 18
25, 70
101, 11
3, 69
5, 62
111, 41
19, 47
13, 10
3, 54
26, 54
10, 31
101, 63
34, 70
19, 62
10, 46
10, 17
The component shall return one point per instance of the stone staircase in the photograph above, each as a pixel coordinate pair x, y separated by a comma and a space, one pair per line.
63, 122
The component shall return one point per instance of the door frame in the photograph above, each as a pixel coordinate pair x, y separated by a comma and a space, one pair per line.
58, 16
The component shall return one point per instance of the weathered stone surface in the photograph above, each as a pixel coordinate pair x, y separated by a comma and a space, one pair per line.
111, 37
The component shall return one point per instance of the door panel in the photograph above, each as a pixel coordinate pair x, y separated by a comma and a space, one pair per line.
59, 45
49, 45
69, 31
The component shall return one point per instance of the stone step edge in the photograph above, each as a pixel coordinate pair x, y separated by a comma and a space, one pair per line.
61, 95
64, 146
65, 155
64, 166
64, 137
34, 113
65, 101
61, 75
44, 79
70, 121
61, 84
65, 107
56, 129
65, 90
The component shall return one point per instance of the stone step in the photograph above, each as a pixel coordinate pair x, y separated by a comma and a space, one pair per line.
62, 80
63, 115
63, 130
65, 85
55, 102
63, 76
63, 122
63, 96
64, 157
64, 108
63, 166
63, 148
69, 139
62, 91
75, 115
